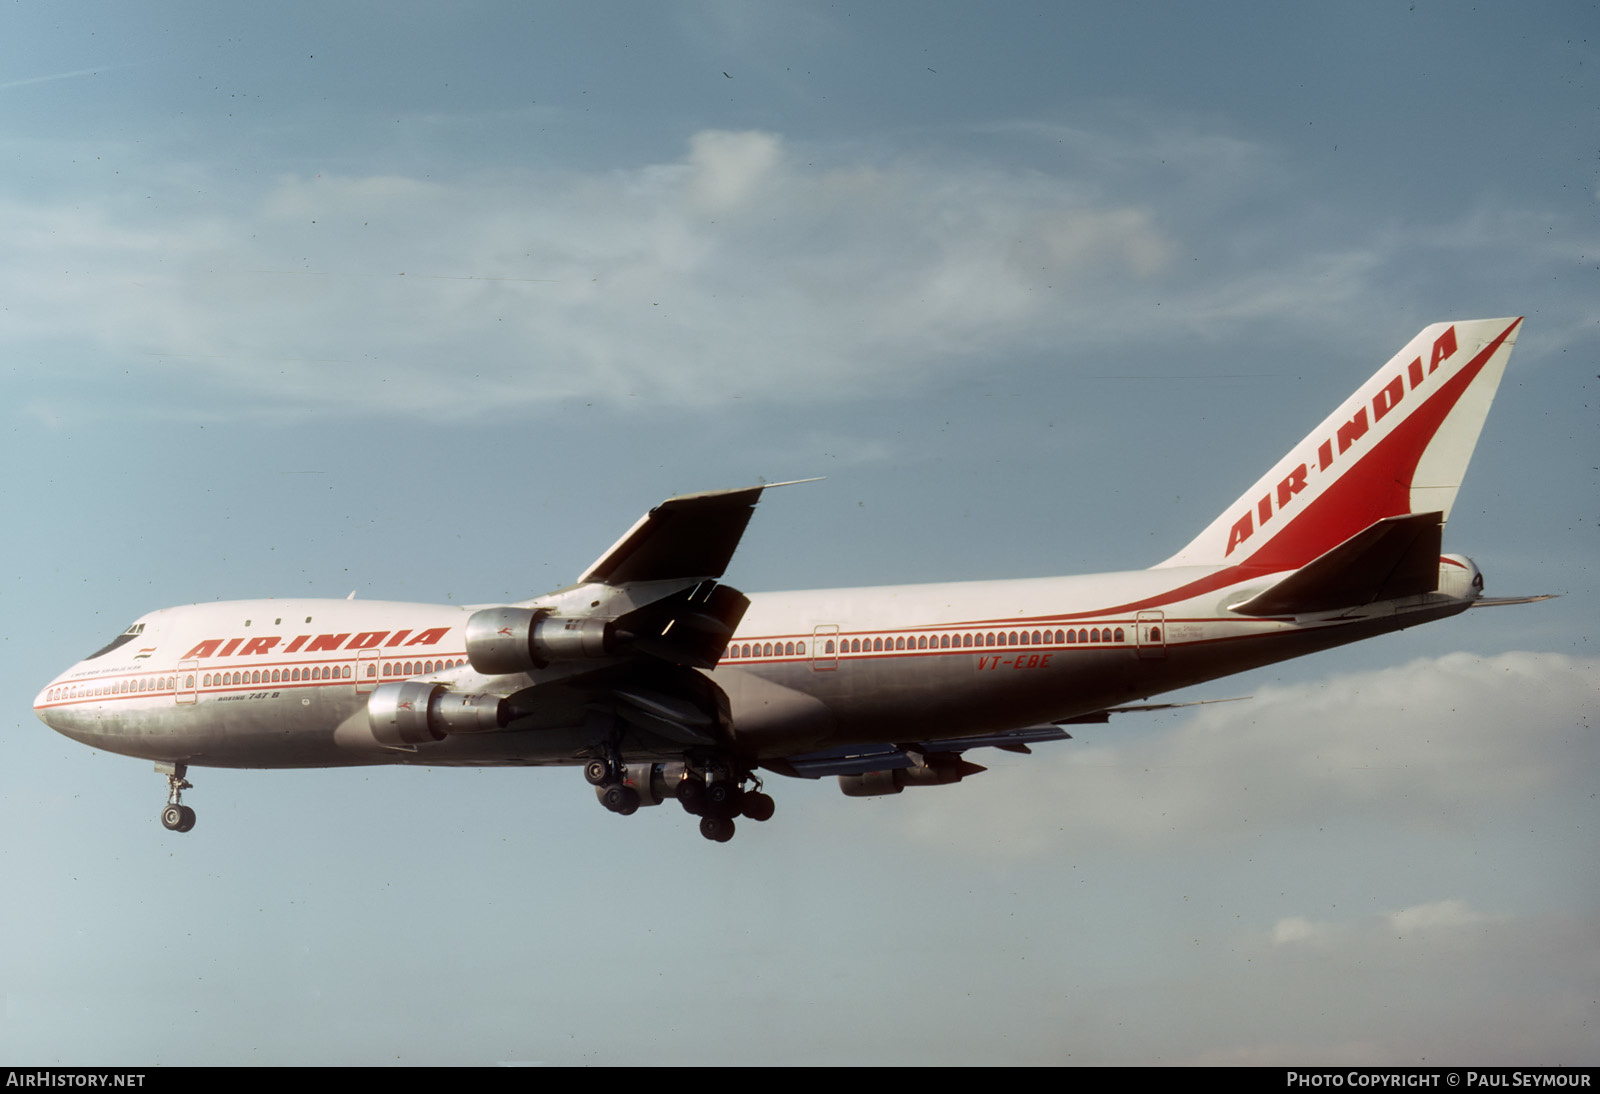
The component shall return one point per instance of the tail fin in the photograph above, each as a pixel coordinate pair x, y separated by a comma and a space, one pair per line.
1399, 445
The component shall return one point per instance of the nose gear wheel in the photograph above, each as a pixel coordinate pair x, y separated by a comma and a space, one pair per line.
176, 817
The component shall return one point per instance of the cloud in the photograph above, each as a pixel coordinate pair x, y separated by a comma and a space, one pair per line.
1440, 913
741, 270
747, 268
1410, 986
1295, 929
728, 170
1423, 746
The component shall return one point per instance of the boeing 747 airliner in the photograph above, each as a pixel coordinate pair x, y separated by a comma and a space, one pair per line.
662, 682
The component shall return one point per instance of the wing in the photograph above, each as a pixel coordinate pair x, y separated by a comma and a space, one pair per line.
866, 770
611, 659
688, 536
870, 769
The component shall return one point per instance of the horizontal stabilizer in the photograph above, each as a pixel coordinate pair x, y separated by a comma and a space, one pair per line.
864, 758
1100, 717
1507, 601
1394, 557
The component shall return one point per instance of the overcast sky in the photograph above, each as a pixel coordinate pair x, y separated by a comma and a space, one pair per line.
430, 302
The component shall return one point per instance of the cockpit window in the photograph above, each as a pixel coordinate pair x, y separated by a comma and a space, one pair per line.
126, 636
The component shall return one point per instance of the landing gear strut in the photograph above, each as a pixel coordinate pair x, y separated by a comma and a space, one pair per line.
176, 817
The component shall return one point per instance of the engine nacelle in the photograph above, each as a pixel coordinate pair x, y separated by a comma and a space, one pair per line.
939, 769
507, 640
654, 783
415, 712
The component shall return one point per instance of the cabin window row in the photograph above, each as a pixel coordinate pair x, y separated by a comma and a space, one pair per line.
934, 642
417, 668
118, 687
276, 676
254, 676
328, 672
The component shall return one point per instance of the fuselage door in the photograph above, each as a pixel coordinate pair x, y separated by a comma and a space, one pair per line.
1152, 630
367, 670
825, 647
183, 688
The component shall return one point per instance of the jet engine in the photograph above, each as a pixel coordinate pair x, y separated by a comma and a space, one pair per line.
653, 782
506, 640
687, 626
414, 712
937, 769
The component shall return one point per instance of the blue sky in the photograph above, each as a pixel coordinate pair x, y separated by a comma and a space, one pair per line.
431, 302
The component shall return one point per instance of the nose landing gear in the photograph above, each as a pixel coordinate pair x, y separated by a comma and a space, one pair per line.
176, 817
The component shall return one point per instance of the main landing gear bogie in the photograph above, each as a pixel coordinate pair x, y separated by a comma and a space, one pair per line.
714, 792
723, 802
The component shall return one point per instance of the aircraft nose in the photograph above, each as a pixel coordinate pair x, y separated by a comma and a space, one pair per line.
41, 706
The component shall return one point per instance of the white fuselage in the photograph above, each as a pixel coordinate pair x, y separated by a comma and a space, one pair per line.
285, 683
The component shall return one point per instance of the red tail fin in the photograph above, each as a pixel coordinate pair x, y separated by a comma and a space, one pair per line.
1399, 445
